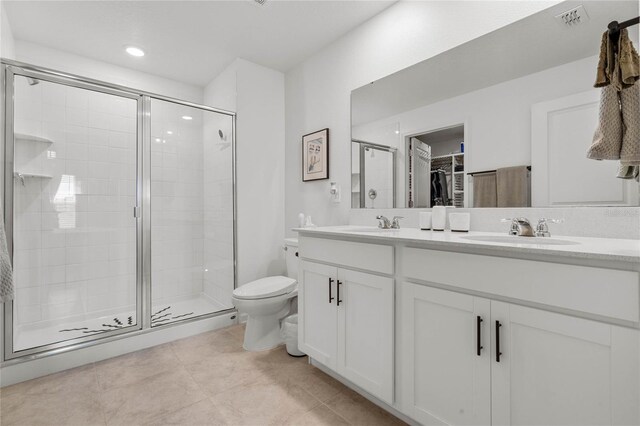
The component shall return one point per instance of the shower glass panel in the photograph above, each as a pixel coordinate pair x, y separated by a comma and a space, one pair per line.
192, 215
74, 232
377, 178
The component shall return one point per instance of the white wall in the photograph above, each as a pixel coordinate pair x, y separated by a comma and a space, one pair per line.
7, 44
259, 103
318, 90
68, 62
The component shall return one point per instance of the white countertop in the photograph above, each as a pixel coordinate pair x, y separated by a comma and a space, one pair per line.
606, 249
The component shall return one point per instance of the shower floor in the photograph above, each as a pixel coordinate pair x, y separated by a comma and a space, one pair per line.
165, 313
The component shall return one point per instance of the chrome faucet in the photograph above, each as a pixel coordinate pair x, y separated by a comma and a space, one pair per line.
395, 223
520, 226
383, 223
542, 229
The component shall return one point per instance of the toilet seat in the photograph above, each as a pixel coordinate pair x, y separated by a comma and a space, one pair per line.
265, 288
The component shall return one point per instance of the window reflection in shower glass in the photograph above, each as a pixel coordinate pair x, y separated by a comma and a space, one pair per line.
74, 231
191, 212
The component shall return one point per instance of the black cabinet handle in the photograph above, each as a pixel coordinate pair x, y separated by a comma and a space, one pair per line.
478, 335
330, 296
297, 254
498, 353
338, 289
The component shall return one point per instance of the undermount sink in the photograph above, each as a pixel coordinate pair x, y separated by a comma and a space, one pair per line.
511, 239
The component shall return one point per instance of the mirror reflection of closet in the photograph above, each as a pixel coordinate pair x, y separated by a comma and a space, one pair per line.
373, 185
435, 175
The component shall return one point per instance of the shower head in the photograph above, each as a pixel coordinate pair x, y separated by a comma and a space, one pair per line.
32, 81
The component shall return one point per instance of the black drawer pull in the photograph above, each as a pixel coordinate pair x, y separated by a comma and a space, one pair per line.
478, 335
338, 289
498, 353
330, 296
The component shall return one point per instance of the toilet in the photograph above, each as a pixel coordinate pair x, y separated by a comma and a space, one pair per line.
267, 301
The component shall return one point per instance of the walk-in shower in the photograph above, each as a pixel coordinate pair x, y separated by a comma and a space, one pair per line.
119, 207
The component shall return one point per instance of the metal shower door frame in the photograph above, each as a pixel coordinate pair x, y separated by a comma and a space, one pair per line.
362, 184
10, 69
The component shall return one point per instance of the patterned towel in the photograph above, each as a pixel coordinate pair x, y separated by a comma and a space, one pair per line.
607, 140
617, 136
630, 107
6, 273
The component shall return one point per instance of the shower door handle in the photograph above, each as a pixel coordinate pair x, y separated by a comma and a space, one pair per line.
330, 296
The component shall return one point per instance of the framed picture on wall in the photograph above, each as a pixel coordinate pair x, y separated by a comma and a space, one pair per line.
315, 156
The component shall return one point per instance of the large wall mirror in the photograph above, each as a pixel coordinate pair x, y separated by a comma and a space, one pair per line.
504, 120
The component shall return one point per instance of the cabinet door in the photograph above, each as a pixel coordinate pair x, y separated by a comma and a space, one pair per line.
560, 370
317, 326
446, 356
365, 332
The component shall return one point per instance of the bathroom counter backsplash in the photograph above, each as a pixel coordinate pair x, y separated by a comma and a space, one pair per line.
598, 222
569, 247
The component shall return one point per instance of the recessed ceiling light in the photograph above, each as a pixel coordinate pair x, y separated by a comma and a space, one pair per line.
157, 139
169, 132
397, 132
187, 117
134, 51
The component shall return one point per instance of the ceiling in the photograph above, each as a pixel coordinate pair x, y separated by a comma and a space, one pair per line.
533, 44
189, 41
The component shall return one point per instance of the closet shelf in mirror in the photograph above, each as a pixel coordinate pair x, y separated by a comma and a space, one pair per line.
30, 138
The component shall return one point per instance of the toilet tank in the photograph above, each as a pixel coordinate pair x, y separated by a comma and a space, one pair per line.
291, 256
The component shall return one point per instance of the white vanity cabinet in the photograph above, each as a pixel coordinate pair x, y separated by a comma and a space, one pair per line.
445, 356
318, 319
481, 339
546, 365
558, 369
347, 319
552, 368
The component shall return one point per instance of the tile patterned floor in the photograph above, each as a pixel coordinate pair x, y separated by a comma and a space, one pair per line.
202, 380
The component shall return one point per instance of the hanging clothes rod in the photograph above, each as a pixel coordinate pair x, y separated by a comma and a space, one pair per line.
489, 171
615, 26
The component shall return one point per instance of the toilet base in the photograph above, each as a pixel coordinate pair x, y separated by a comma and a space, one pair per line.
263, 332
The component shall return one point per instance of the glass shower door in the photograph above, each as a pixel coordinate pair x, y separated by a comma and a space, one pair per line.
192, 205
74, 189
378, 180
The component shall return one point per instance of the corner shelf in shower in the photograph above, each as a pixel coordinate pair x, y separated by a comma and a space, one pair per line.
30, 138
20, 175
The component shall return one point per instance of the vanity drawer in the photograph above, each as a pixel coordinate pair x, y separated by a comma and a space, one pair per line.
607, 292
370, 257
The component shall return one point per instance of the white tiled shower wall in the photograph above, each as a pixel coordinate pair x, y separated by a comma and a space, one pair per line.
191, 205
218, 209
74, 239
75, 232
177, 216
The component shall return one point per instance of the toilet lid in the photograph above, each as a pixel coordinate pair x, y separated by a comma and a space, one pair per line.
265, 287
